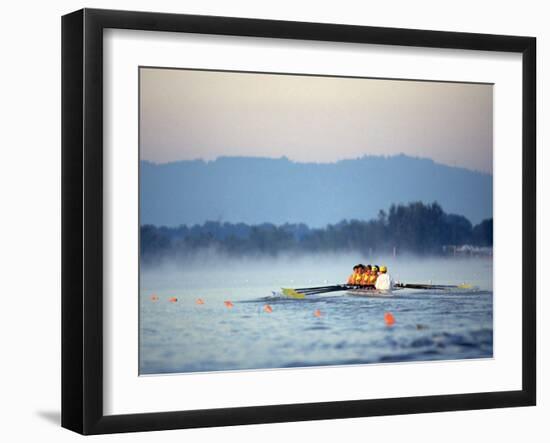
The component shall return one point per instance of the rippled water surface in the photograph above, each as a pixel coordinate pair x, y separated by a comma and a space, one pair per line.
260, 328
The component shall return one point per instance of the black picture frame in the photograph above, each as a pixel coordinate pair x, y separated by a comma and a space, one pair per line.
82, 219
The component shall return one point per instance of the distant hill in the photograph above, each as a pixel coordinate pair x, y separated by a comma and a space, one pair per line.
257, 190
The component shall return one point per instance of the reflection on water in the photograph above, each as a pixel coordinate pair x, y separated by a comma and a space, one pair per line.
230, 315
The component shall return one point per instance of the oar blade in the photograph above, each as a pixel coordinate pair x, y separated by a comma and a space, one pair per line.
289, 292
467, 286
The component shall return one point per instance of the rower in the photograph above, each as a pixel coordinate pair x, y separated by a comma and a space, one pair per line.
383, 282
373, 276
360, 273
366, 276
351, 278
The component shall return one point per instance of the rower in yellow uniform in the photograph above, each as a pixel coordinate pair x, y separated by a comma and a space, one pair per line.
373, 276
359, 275
366, 275
352, 279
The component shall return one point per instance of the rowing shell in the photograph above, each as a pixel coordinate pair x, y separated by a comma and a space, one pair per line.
301, 293
371, 292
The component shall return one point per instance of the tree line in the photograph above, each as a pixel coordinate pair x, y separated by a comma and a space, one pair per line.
415, 228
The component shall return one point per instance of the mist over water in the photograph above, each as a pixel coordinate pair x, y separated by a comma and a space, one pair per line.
337, 328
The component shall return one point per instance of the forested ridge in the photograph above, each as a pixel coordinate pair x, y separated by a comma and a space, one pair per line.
413, 228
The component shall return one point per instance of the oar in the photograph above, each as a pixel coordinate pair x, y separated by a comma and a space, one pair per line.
315, 288
302, 292
429, 286
320, 290
326, 291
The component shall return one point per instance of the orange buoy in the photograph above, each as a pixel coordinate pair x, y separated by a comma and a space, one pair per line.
200, 301
228, 304
389, 319
154, 297
268, 309
317, 313
172, 299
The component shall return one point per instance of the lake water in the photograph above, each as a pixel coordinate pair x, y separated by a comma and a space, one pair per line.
260, 328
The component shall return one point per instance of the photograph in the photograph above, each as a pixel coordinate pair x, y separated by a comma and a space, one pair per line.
298, 220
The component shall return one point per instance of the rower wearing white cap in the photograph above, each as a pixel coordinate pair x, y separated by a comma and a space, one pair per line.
383, 282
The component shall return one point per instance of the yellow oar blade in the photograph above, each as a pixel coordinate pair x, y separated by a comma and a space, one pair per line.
292, 293
465, 286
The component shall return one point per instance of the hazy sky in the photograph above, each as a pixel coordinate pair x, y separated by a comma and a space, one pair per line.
206, 114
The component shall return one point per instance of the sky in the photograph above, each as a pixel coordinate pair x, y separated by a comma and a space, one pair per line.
187, 115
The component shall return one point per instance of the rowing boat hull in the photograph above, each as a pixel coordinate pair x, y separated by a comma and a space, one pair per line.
369, 293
